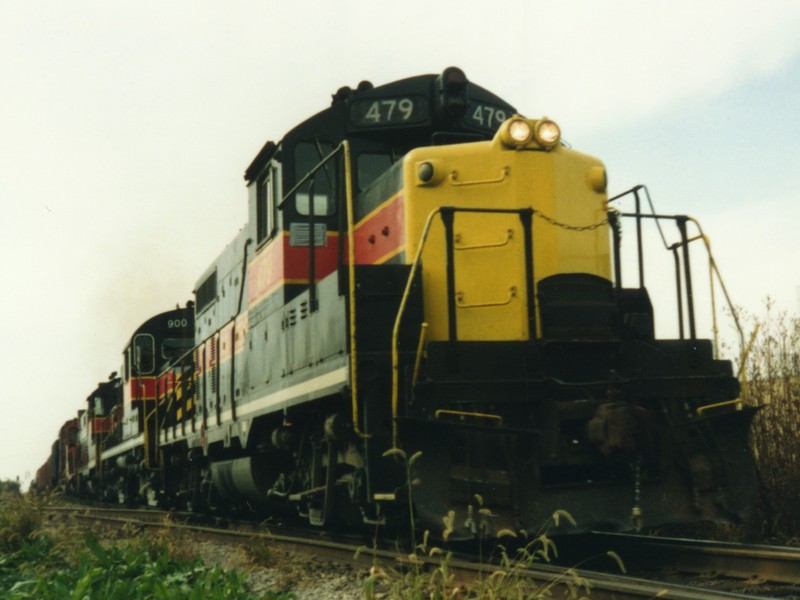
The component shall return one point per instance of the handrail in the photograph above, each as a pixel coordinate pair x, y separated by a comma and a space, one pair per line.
454, 180
742, 374
216, 389
351, 270
396, 329
715, 276
464, 413
714, 270
344, 148
420, 349
447, 212
146, 417
500, 244
702, 409
512, 293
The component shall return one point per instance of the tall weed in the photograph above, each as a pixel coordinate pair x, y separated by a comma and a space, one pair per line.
772, 380
20, 517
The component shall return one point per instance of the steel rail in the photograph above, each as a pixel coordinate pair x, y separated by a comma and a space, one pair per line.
776, 564
557, 580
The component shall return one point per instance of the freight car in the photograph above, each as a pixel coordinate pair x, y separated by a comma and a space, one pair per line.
60, 468
427, 277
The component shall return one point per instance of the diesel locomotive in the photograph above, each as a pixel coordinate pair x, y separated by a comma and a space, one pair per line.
424, 316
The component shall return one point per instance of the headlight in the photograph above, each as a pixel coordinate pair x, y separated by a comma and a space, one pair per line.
520, 131
547, 133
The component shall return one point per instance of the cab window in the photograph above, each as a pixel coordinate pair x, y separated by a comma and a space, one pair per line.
308, 155
144, 354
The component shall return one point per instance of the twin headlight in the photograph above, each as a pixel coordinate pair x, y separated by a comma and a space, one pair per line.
519, 132
515, 133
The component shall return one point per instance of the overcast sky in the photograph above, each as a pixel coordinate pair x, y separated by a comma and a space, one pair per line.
125, 129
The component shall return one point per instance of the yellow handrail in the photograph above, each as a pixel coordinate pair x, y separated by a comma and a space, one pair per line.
714, 270
454, 180
396, 328
702, 409
351, 259
742, 374
423, 333
500, 244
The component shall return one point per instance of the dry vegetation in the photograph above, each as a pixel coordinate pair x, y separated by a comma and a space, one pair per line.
772, 375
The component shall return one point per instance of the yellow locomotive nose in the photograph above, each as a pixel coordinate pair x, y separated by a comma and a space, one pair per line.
529, 134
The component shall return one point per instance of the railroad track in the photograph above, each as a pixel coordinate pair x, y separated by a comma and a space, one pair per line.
773, 564
753, 566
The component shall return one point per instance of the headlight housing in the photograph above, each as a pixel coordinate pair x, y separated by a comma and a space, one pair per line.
520, 133
547, 132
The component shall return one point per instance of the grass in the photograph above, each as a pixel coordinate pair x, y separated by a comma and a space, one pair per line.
42, 561
20, 517
504, 576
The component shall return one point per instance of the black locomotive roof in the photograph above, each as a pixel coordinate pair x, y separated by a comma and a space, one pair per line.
156, 325
106, 389
411, 112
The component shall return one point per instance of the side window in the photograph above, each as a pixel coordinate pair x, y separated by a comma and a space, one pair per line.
144, 354
172, 348
266, 203
370, 167
308, 155
206, 293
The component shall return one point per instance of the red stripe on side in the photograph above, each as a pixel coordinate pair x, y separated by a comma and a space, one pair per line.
296, 260
143, 388
265, 271
381, 234
279, 261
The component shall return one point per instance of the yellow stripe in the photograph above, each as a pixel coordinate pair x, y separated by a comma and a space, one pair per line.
376, 210
390, 255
